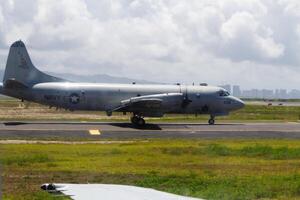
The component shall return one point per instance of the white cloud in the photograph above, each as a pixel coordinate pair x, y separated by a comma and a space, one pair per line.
256, 7
234, 41
22, 31
291, 7
244, 38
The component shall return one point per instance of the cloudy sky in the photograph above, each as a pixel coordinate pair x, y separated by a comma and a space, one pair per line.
253, 43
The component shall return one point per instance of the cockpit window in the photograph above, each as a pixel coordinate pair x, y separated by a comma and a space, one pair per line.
223, 93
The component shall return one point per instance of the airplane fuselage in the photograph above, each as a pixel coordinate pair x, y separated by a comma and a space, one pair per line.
105, 97
24, 81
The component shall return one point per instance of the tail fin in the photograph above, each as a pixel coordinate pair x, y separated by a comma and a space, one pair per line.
20, 70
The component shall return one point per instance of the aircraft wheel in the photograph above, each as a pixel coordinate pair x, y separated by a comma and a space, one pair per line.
211, 121
134, 120
141, 122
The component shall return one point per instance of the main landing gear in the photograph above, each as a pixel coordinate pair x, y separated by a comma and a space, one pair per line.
211, 121
138, 120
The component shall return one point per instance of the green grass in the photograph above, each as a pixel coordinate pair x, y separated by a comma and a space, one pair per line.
211, 169
271, 100
22, 160
262, 151
37, 196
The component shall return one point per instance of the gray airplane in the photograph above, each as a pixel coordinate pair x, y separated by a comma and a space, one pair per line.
23, 81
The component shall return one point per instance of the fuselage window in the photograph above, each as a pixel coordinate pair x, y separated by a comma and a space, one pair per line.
227, 102
223, 93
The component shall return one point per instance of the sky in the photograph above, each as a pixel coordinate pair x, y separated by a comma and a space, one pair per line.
252, 43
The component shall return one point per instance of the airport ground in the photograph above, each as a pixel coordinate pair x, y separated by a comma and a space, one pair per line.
252, 154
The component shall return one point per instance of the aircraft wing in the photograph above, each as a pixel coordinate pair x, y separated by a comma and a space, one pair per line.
110, 192
151, 105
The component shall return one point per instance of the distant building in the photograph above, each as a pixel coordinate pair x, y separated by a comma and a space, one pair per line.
262, 93
256, 93
294, 94
282, 94
277, 94
236, 91
247, 94
267, 94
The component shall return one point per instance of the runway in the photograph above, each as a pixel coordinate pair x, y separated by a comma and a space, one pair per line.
125, 131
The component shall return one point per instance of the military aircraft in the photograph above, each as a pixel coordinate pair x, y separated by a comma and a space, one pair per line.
24, 81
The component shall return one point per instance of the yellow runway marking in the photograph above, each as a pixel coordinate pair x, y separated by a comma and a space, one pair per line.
94, 132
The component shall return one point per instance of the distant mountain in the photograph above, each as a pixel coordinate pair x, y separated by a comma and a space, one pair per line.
98, 78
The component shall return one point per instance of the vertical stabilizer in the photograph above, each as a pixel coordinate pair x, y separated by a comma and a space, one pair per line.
19, 68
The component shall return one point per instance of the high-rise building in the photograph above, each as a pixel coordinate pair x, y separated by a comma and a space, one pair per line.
262, 93
247, 94
282, 94
294, 94
236, 91
267, 94
277, 94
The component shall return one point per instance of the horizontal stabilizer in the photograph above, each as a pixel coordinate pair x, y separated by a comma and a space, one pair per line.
13, 84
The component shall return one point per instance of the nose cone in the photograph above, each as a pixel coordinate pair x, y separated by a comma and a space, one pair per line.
238, 103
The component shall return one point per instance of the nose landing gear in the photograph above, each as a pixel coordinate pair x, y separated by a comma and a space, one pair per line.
138, 120
211, 121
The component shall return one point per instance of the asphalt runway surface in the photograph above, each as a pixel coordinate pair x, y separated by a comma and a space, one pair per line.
126, 131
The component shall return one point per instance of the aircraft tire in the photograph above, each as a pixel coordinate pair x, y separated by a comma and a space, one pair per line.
134, 120
141, 122
211, 121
